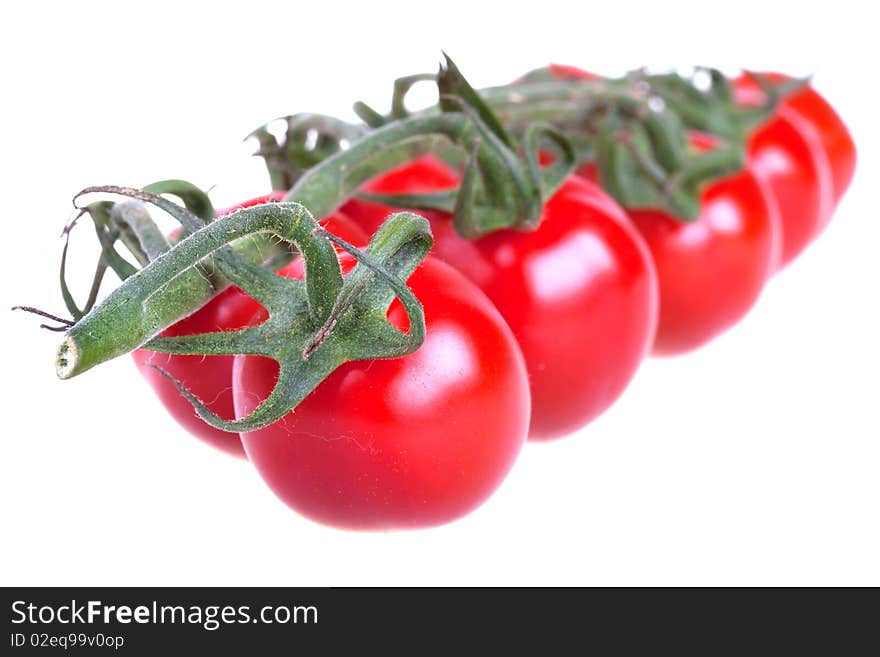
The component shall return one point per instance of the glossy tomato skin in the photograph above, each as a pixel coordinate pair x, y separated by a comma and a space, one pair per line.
818, 119
424, 174
579, 293
401, 443
787, 154
796, 173
210, 377
712, 270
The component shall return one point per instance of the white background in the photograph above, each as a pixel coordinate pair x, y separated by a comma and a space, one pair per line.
752, 461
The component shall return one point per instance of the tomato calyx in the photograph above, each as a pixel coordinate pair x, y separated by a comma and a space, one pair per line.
707, 101
313, 325
309, 344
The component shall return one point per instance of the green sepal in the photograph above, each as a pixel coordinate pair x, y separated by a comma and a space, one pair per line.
451, 84
650, 164
541, 183
307, 351
714, 109
666, 134
627, 168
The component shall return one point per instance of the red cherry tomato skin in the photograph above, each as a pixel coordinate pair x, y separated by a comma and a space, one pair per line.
826, 125
797, 174
579, 293
425, 174
401, 443
787, 154
210, 377
711, 271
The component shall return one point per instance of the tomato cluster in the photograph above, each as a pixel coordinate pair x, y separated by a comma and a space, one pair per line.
530, 334
711, 271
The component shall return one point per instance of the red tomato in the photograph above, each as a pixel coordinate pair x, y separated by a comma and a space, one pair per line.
210, 377
711, 270
406, 442
579, 294
786, 154
825, 125
425, 174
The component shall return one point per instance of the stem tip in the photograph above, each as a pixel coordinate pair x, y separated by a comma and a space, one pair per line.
66, 358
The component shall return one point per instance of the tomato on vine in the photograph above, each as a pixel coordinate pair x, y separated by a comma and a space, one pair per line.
382, 387
401, 443
712, 270
210, 377
579, 293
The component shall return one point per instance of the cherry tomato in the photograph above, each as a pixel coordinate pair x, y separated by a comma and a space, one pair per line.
406, 442
819, 118
579, 294
711, 270
210, 377
786, 154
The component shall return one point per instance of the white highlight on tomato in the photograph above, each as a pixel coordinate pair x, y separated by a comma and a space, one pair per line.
565, 270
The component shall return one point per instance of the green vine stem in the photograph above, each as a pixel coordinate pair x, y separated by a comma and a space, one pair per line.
707, 107
634, 128
579, 110
508, 191
642, 153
